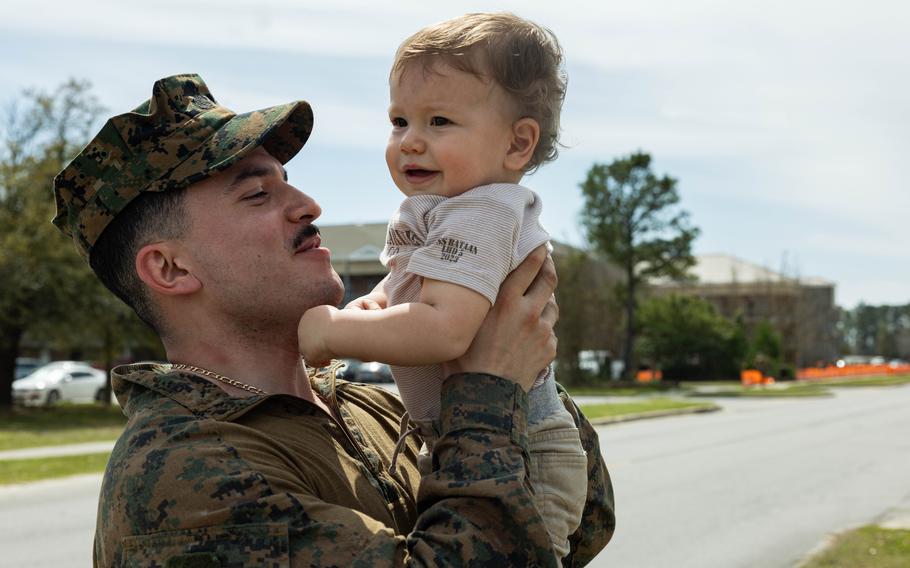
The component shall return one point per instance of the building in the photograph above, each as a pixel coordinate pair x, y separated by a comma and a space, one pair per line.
355, 255
802, 310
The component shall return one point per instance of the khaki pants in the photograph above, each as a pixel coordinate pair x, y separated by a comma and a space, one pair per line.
558, 473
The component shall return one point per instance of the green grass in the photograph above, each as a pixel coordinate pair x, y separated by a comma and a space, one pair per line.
872, 547
776, 391
622, 389
23, 471
880, 381
689, 384
66, 424
616, 409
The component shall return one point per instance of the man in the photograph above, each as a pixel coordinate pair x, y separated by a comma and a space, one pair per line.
233, 455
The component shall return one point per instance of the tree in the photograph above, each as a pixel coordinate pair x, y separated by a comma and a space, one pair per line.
766, 350
687, 339
46, 290
877, 330
630, 215
586, 313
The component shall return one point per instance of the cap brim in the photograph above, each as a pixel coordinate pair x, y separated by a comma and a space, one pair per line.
282, 130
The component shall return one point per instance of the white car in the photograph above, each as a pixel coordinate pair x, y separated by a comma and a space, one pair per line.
71, 381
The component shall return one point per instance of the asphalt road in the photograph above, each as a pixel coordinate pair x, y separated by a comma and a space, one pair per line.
756, 485
49, 523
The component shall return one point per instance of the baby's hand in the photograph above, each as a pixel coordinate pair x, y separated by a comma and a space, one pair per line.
312, 333
363, 303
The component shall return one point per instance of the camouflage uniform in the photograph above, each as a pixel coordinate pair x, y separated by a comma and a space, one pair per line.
200, 478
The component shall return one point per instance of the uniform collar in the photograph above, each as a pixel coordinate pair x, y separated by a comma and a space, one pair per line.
198, 395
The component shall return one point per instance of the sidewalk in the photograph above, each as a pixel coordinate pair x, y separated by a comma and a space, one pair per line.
897, 517
58, 451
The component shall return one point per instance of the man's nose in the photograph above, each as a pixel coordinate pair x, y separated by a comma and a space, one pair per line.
302, 207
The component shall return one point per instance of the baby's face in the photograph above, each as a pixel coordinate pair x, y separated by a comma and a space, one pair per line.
451, 132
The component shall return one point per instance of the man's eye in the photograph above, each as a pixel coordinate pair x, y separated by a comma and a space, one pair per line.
439, 121
255, 196
399, 122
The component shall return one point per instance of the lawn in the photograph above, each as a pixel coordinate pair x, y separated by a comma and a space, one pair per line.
880, 381
618, 409
870, 546
22, 471
65, 424
625, 388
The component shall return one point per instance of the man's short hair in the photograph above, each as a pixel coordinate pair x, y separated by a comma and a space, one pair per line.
523, 58
147, 218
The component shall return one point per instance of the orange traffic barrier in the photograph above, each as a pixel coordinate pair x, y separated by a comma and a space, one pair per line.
750, 377
832, 371
647, 376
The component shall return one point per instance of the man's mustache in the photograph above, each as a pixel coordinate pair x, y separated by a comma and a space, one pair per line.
305, 233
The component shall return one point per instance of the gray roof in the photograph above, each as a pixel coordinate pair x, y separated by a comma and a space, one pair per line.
727, 269
360, 242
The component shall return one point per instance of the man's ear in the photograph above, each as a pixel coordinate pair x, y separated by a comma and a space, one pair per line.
163, 271
525, 136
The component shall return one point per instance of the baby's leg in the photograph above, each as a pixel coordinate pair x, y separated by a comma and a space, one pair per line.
558, 464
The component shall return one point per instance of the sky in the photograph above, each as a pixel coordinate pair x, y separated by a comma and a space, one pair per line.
785, 122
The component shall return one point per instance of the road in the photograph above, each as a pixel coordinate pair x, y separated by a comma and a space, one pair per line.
49, 523
756, 485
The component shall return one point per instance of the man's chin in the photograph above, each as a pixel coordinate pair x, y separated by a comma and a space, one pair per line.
330, 293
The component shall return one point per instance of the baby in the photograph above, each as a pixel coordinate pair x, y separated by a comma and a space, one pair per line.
475, 104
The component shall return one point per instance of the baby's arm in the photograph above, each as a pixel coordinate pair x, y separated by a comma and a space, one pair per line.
375, 300
438, 328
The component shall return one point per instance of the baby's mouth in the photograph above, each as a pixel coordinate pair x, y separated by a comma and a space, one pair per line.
418, 174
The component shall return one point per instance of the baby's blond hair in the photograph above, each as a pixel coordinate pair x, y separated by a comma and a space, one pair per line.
523, 58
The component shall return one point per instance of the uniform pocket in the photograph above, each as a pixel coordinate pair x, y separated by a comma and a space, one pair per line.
232, 546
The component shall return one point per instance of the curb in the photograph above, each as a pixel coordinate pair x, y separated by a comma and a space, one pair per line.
895, 518
57, 451
654, 414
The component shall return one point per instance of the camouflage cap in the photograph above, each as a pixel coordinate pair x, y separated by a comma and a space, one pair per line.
178, 137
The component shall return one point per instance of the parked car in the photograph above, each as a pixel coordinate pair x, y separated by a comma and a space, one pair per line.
374, 372
365, 372
26, 366
349, 371
71, 381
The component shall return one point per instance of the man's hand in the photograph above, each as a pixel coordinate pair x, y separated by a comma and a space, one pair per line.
312, 334
516, 339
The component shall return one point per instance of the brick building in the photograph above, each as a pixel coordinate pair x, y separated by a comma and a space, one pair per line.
802, 310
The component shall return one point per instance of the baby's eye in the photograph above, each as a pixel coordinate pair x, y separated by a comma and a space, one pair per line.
439, 121
399, 122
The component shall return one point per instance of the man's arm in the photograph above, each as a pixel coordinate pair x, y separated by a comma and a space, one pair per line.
598, 520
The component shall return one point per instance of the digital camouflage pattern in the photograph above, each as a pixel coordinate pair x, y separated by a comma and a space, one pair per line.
199, 478
178, 137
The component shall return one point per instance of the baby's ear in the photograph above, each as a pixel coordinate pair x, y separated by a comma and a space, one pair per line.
525, 136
